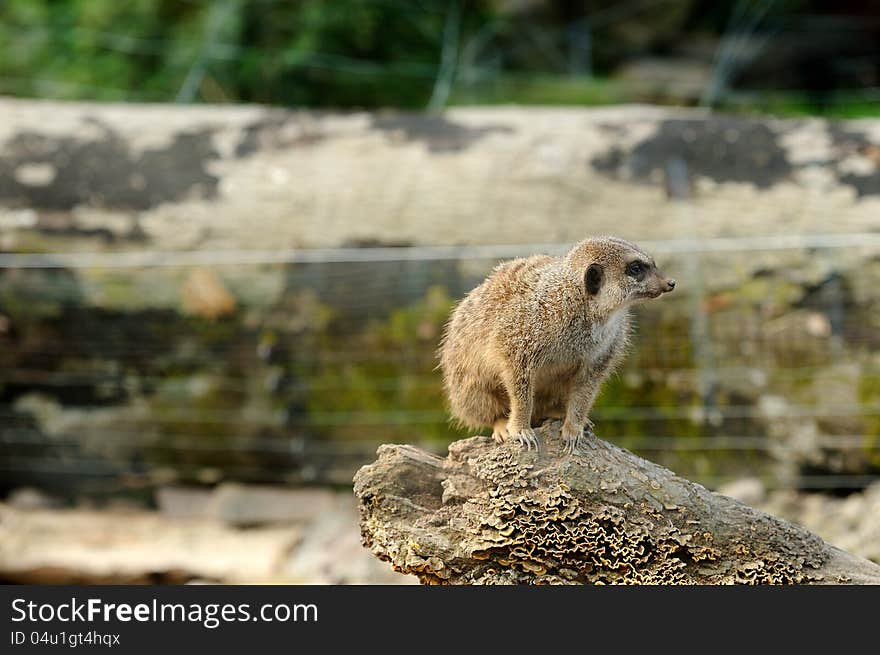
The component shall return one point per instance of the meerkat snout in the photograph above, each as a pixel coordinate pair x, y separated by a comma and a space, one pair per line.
644, 279
539, 336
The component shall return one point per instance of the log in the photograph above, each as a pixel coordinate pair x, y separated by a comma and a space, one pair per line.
122, 177
495, 514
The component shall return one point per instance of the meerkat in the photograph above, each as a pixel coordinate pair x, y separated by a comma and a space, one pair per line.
539, 336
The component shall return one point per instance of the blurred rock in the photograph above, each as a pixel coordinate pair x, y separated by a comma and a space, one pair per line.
26, 498
242, 505
128, 547
183, 502
317, 542
331, 551
851, 523
204, 294
667, 78
245, 505
750, 491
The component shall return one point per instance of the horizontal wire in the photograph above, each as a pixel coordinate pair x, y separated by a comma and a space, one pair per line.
667, 412
227, 383
310, 356
102, 467
817, 482
237, 257
122, 379
297, 446
24, 464
309, 362
284, 418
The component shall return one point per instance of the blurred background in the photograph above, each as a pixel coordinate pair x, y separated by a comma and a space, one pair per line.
231, 232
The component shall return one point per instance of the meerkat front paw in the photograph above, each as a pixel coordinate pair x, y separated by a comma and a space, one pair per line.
527, 438
574, 436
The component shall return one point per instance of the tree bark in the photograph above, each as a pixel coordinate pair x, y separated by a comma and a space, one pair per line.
495, 514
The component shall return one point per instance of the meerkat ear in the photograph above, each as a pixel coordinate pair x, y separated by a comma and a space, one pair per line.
593, 278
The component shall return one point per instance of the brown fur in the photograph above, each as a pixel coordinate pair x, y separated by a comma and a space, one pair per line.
532, 342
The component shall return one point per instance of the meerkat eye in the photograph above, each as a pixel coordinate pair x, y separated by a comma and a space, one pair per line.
635, 269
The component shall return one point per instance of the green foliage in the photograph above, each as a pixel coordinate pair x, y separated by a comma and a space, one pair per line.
312, 52
98, 49
376, 53
869, 394
544, 90
346, 53
33, 295
795, 104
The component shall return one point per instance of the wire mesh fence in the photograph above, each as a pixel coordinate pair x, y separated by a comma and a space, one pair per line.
771, 371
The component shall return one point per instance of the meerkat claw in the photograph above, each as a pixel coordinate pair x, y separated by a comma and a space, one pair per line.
528, 439
573, 439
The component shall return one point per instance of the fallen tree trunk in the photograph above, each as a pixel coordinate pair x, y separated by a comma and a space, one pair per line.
495, 514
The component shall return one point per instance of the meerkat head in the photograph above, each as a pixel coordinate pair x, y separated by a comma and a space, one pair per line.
616, 272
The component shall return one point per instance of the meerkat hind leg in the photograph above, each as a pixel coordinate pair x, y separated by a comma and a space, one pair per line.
499, 430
